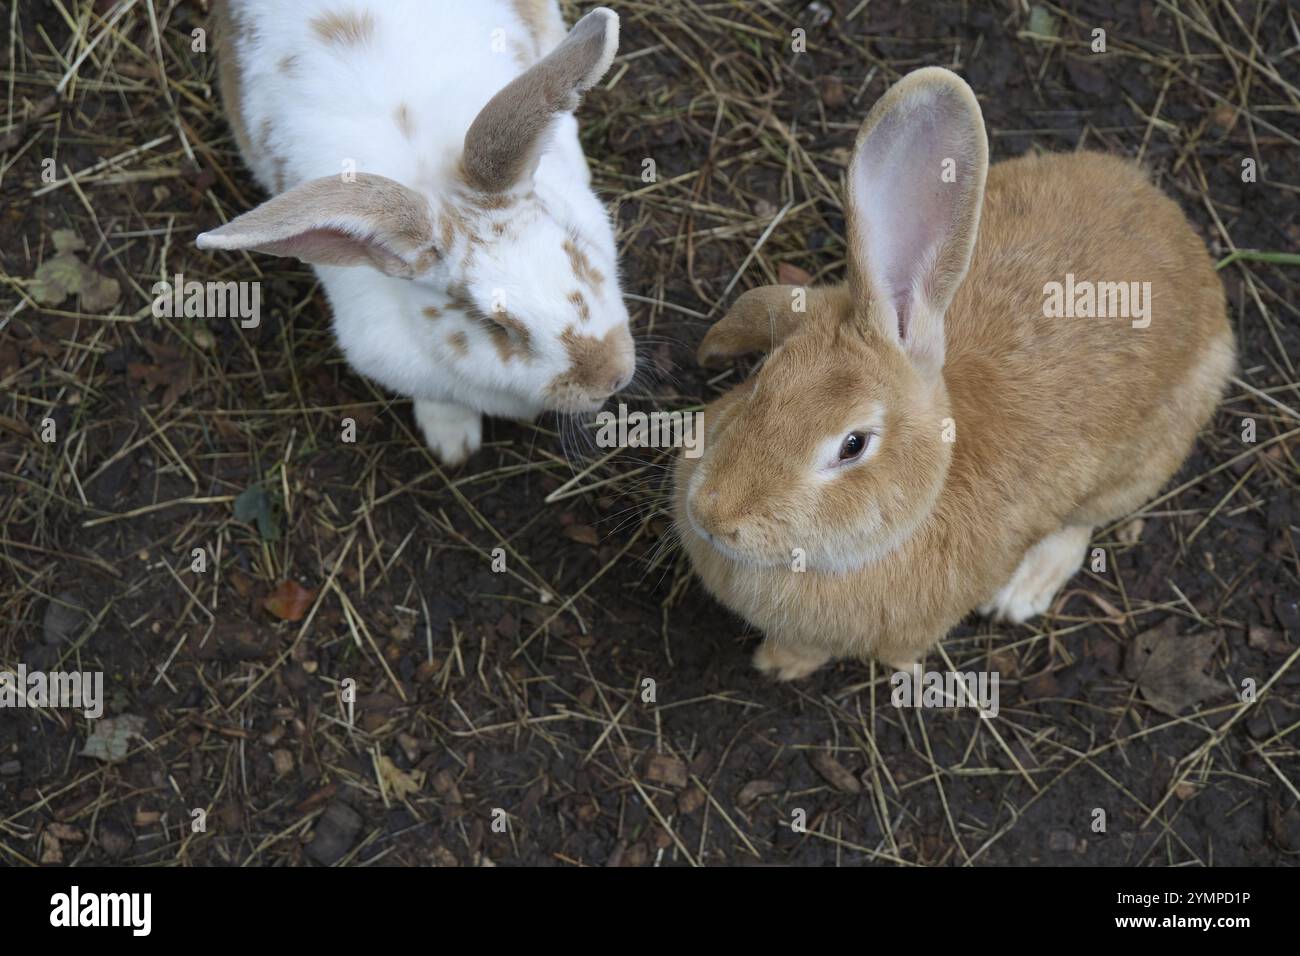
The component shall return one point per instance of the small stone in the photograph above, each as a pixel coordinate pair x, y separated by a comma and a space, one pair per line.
335, 832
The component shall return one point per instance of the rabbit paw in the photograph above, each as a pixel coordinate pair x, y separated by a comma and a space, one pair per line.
1043, 570
451, 431
786, 661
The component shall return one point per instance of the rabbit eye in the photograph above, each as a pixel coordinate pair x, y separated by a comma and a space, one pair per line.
854, 445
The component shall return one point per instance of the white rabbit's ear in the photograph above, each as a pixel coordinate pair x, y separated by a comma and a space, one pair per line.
368, 220
916, 185
505, 140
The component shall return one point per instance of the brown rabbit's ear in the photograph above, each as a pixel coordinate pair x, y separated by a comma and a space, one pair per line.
505, 140
371, 220
916, 185
758, 321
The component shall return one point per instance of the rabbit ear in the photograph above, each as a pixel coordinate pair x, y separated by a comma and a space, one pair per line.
758, 321
505, 140
329, 221
916, 185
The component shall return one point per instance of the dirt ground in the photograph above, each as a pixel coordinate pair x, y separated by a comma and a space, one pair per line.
520, 698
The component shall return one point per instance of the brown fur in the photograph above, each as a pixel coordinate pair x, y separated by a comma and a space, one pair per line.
510, 337
503, 144
595, 365
344, 27
579, 302
1059, 421
402, 116
582, 267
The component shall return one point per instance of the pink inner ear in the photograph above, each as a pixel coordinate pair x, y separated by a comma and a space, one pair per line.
905, 208
325, 246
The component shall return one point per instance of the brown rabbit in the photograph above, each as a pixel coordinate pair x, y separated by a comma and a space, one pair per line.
943, 431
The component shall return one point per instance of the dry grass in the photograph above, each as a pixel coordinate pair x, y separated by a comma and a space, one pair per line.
523, 692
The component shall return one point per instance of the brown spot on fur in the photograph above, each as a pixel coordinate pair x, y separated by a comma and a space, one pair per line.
493, 200
459, 342
289, 64
594, 364
510, 337
432, 312
582, 267
424, 262
344, 27
452, 225
402, 115
579, 302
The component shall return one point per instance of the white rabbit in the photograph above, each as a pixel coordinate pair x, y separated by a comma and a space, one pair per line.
424, 158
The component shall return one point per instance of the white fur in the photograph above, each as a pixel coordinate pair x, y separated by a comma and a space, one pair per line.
339, 102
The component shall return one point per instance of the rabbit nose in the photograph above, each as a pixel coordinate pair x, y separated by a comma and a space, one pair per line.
706, 516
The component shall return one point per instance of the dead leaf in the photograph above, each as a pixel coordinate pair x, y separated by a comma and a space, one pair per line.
789, 274
1266, 639
64, 274
174, 376
666, 769
290, 601
582, 533
835, 773
398, 782
66, 832
832, 91
756, 789
1170, 668
112, 738
445, 785
51, 850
